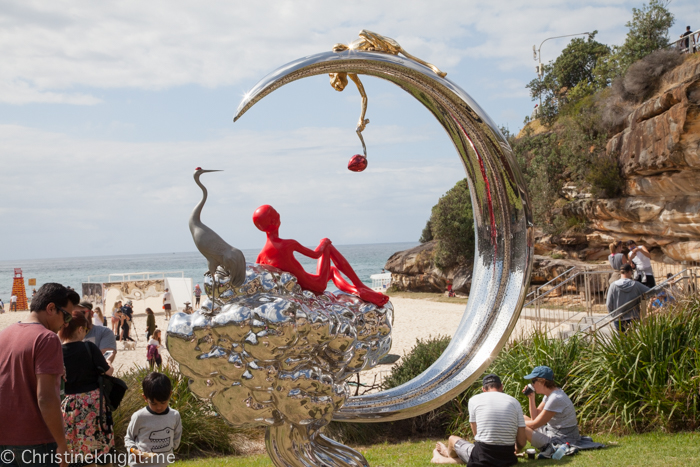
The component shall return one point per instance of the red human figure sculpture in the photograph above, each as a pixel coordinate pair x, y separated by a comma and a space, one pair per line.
279, 252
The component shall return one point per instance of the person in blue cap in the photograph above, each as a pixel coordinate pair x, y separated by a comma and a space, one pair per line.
554, 420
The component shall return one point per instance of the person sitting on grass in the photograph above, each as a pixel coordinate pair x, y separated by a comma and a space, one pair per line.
554, 420
498, 425
154, 431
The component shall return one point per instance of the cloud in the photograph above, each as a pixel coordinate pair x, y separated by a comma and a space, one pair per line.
72, 197
50, 48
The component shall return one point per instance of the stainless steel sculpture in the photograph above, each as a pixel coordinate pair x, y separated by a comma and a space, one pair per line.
214, 248
276, 357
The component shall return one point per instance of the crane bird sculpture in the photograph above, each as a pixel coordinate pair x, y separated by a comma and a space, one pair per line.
214, 248
278, 356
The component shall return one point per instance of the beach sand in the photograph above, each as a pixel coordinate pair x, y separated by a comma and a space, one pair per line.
413, 319
125, 359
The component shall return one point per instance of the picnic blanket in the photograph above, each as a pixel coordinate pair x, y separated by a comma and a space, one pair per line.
586, 442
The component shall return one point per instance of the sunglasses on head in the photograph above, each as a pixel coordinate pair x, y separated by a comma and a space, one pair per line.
66, 316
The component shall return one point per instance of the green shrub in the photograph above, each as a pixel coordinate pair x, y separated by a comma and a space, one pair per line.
648, 378
605, 177
516, 360
203, 431
421, 356
427, 234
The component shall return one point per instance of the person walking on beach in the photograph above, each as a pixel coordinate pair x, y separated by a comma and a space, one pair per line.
197, 295
167, 303
116, 319
150, 323
127, 313
498, 425
13, 302
97, 318
153, 350
2, 306
31, 366
98, 335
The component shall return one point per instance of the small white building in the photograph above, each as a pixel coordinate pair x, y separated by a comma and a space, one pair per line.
381, 282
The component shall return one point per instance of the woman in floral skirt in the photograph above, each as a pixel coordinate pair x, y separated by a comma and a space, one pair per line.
86, 432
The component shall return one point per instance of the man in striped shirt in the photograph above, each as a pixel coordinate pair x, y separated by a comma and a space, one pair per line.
499, 431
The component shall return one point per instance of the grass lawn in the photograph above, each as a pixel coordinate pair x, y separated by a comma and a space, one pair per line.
647, 450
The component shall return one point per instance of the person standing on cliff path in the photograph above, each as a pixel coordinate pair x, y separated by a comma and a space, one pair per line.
641, 258
685, 44
616, 259
625, 292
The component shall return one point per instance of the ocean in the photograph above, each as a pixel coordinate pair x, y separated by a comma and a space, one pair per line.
365, 259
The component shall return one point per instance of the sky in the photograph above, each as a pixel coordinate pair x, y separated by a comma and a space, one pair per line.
106, 108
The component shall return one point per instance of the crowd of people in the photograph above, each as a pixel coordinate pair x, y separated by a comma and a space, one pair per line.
633, 277
52, 364
501, 430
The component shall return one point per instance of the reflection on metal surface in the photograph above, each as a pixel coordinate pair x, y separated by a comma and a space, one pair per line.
272, 354
502, 264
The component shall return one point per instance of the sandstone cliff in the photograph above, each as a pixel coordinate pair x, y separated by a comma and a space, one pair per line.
413, 270
658, 148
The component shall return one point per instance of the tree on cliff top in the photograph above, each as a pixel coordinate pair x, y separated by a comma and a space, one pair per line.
648, 31
573, 69
452, 225
587, 66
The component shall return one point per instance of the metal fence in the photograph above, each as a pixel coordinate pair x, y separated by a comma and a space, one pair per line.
576, 299
681, 284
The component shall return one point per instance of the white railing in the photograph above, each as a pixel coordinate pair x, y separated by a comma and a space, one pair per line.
683, 282
693, 41
579, 300
381, 281
135, 276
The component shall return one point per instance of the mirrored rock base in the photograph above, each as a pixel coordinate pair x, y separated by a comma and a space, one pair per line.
270, 354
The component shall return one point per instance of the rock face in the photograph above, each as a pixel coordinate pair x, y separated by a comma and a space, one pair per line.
659, 153
413, 270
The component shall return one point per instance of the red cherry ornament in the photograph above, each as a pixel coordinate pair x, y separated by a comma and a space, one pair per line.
357, 163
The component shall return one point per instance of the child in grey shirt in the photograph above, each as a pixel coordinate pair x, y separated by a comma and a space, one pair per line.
154, 431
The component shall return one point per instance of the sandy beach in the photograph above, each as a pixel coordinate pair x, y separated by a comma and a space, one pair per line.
125, 359
413, 319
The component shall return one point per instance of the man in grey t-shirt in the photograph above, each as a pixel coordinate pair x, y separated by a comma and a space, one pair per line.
498, 425
101, 336
554, 420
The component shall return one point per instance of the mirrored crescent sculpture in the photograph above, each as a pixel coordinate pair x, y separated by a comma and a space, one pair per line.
248, 346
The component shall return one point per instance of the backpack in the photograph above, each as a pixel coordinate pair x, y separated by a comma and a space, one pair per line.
152, 353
